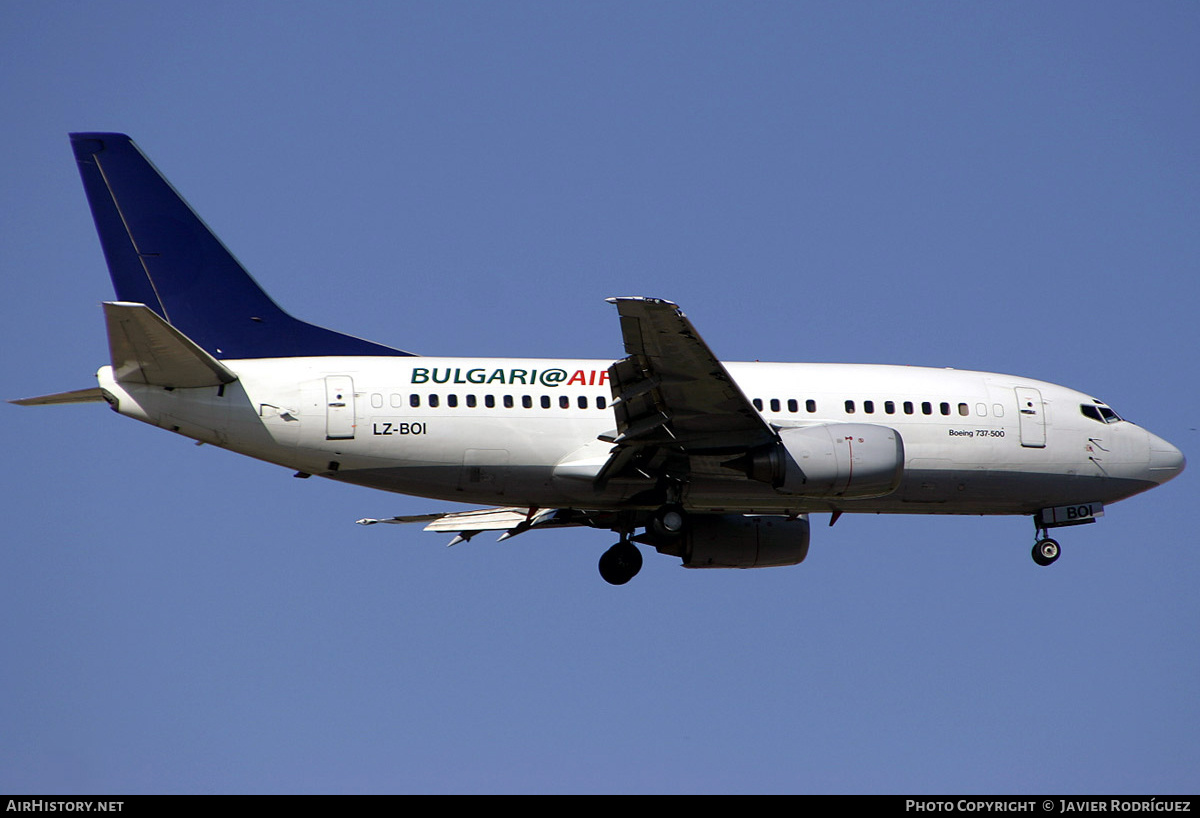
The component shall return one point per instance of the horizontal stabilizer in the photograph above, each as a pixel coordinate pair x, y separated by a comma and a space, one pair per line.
146, 349
93, 395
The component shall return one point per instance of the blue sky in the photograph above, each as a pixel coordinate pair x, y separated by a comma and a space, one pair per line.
1002, 186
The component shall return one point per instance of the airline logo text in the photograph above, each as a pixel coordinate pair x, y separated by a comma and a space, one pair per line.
510, 376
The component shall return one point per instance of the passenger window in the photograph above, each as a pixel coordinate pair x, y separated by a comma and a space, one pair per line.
793, 406
489, 401
926, 408
397, 401
981, 409
998, 410
757, 403
774, 404
414, 401
964, 410
527, 401
564, 402
810, 405
945, 407
869, 407
601, 403
582, 402
908, 407
433, 401
376, 400
889, 407
452, 401
508, 401
849, 407
471, 401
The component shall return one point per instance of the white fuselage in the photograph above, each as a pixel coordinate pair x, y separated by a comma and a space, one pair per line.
526, 432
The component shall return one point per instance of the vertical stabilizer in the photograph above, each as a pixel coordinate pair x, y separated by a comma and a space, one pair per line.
161, 254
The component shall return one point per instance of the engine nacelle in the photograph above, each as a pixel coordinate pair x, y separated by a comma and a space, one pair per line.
831, 460
736, 541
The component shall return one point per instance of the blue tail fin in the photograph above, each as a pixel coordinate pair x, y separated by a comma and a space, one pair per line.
162, 255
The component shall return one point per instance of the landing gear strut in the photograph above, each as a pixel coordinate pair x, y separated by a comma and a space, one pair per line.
620, 563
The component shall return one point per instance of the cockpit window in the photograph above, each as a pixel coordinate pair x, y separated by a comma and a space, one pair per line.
1099, 412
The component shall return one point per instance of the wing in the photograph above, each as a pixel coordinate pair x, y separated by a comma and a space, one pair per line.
673, 398
512, 520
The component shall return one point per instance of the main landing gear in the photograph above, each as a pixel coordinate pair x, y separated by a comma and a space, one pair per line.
669, 521
620, 563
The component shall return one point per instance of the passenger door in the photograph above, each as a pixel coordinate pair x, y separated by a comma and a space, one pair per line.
1031, 413
339, 407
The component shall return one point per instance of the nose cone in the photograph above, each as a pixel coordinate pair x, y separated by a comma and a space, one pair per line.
1165, 460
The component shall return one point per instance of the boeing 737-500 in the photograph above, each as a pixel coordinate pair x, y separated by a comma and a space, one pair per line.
718, 464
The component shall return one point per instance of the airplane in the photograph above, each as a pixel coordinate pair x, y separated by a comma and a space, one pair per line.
718, 464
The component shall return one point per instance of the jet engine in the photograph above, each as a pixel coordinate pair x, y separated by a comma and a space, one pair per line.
829, 460
737, 541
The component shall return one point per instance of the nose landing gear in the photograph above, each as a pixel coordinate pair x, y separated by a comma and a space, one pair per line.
1045, 551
